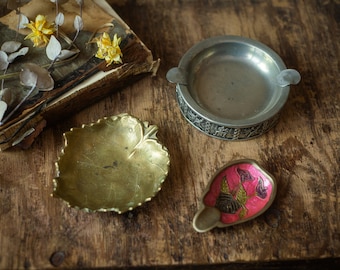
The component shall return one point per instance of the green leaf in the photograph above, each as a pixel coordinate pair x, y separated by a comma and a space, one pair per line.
241, 196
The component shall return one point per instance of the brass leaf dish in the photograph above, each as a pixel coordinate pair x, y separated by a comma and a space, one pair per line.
115, 164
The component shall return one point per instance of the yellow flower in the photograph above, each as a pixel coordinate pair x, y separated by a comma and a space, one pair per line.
41, 31
109, 50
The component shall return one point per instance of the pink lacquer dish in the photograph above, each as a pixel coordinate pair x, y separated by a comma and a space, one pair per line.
240, 191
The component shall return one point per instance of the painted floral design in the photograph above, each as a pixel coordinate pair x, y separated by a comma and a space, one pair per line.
239, 192
244, 175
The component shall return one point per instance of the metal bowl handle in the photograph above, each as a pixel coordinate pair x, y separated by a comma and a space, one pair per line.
287, 77
177, 75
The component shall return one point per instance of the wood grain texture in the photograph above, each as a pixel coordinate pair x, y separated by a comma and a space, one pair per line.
302, 152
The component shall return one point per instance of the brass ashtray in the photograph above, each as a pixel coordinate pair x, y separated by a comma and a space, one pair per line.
115, 164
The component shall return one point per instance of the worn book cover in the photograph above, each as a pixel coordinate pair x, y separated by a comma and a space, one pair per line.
85, 50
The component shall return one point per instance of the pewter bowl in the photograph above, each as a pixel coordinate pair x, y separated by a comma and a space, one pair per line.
231, 87
115, 164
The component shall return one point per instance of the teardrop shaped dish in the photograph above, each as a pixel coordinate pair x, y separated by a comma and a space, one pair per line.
239, 192
114, 164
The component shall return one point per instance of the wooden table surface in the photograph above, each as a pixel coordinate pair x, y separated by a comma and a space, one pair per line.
302, 152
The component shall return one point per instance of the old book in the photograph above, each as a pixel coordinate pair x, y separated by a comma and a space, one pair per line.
77, 82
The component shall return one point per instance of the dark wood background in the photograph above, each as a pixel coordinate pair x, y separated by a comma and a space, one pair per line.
302, 152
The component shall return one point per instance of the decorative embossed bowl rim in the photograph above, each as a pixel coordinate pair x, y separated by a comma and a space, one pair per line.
114, 164
227, 88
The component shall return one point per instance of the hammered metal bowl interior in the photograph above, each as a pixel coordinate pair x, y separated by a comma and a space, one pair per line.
230, 82
235, 81
114, 164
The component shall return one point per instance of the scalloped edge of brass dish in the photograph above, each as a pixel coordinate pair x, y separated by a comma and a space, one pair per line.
126, 147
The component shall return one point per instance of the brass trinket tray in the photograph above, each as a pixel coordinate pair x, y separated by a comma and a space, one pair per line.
115, 164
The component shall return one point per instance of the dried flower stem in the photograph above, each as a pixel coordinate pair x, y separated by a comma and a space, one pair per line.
18, 25
3, 82
18, 106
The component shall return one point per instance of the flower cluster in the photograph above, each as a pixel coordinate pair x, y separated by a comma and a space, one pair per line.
41, 31
109, 49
